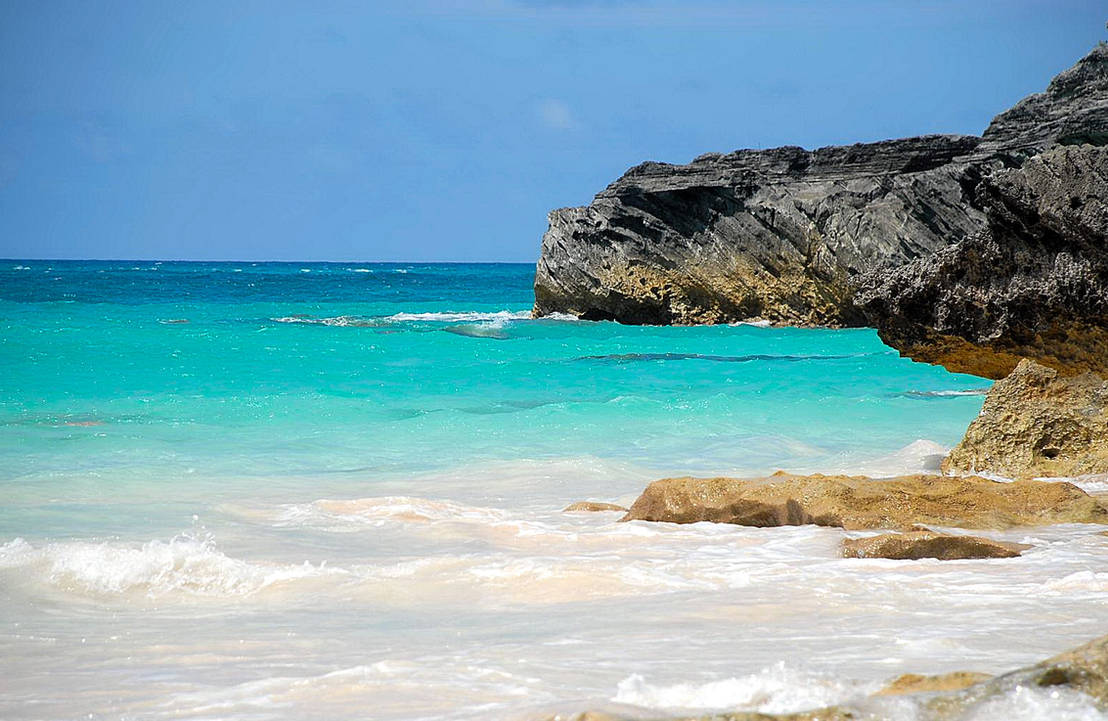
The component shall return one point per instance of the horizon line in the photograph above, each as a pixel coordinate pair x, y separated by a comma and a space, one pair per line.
291, 262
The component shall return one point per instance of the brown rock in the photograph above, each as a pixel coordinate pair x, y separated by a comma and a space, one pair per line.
857, 502
921, 544
1036, 422
591, 506
916, 683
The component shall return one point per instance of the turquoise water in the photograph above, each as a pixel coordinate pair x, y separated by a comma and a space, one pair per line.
138, 382
333, 491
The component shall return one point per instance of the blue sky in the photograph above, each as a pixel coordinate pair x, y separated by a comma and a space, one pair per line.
434, 130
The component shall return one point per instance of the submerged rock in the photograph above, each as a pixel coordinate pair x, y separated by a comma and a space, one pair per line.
1038, 423
1082, 672
788, 234
915, 545
592, 507
857, 502
915, 683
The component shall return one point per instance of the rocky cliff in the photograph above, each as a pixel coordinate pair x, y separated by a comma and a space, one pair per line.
790, 235
1033, 283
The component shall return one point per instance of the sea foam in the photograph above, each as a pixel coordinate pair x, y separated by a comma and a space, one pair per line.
183, 565
777, 689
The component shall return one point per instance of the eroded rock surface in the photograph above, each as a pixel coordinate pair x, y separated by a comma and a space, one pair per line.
856, 502
773, 234
916, 545
1038, 423
787, 234
1032, 284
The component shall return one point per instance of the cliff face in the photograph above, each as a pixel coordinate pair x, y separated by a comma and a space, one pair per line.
789, 235
775, 234
1032, 284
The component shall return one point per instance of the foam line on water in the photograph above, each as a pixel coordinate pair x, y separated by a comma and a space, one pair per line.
181, 566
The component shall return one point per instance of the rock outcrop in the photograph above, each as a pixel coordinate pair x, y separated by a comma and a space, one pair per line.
1032, 284
788, 234
857, 502
916, 545
1038, 423
773, 234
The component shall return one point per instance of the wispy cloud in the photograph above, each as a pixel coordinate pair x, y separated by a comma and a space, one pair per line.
555, 114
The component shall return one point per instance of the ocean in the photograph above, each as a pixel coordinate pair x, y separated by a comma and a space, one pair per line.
334, 491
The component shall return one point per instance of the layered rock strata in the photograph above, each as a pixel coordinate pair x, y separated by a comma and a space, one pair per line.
1032, 284
788, 234
773, 234
857, 502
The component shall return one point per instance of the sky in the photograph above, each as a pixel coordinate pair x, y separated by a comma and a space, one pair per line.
430, 130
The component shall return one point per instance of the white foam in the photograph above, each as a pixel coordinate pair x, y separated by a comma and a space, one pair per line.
460, 316
340, 320
378, 510
777, 689
1036, 704
497, 317
183, 565
568, 317
919, 456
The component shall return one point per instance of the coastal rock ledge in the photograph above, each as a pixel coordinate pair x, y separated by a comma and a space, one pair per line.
790, 235
857, 502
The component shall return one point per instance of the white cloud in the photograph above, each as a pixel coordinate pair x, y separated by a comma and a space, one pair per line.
556, 114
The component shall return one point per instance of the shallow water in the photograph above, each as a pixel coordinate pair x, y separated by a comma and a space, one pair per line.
289, 491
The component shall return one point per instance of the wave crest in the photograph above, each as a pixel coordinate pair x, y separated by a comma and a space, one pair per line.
777, 689
183, 565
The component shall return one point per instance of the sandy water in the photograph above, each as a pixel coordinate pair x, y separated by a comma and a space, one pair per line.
273, 491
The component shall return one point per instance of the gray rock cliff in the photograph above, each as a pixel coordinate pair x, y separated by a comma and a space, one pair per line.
789, 235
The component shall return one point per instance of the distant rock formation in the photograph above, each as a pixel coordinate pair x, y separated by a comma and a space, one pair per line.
857, 502
773, 234
789, 235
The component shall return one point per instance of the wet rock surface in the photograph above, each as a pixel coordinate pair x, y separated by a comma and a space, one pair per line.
917, 545
592, 507
911, 683
857, 502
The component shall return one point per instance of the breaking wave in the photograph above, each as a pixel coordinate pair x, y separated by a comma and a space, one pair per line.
777, 689
184, 565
